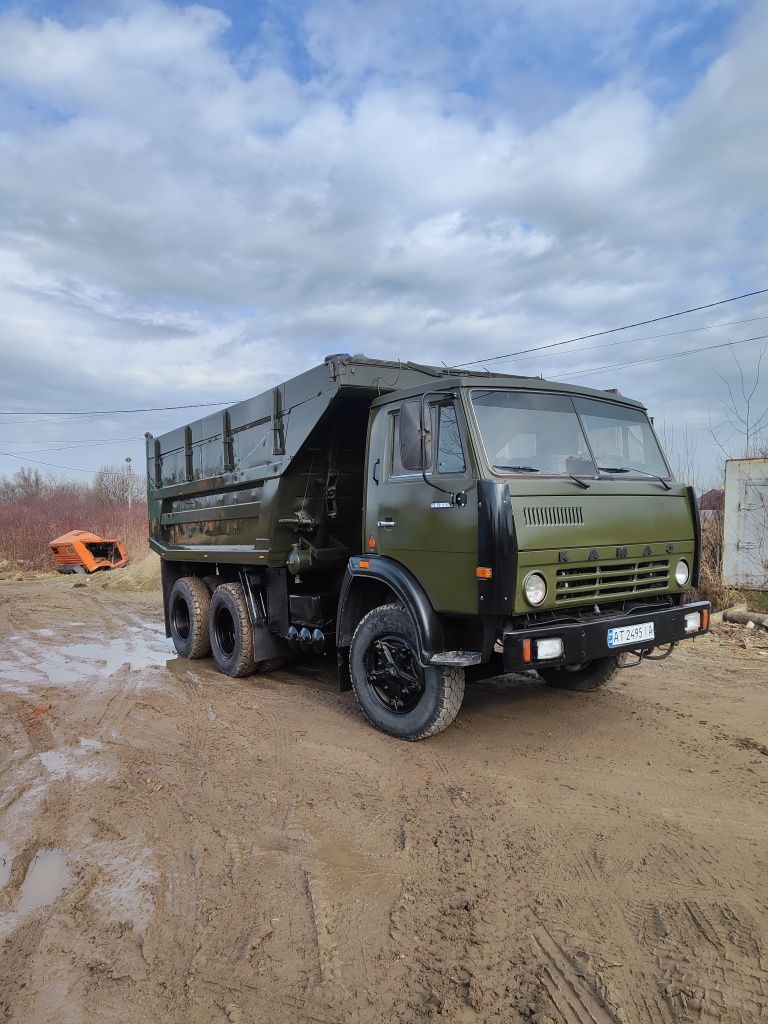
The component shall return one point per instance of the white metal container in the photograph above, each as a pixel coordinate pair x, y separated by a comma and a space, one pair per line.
745, 528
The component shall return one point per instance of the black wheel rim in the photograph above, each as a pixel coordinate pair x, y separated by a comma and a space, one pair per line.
225, 632
394, 674
181, 622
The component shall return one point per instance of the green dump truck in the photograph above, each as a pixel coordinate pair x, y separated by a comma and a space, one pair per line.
429, 526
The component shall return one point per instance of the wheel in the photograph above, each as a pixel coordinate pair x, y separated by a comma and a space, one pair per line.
188, 615
589, 675
211, 582
396, 693
230, 631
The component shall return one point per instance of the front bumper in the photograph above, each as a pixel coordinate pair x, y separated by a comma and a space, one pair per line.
588, 640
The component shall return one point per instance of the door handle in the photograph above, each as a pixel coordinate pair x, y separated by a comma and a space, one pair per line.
386, 523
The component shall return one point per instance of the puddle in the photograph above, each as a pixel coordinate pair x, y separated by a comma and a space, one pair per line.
46, 877
94, 658
185, 669
79, 762
134, 652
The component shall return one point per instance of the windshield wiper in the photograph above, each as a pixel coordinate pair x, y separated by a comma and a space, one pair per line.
532, 469
579, 481
641, 472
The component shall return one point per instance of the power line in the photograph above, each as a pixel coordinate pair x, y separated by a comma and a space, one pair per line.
67, 447
613, 330
70, 447
114, 412
667, 334
83, 441
669, 355
50, 465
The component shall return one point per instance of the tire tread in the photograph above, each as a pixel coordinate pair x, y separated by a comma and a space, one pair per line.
245, 664
199, 598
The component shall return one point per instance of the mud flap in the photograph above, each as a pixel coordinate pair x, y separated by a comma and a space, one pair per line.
266, 644
345, 677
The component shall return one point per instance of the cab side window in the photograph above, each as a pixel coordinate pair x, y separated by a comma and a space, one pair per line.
450, 456
406, 440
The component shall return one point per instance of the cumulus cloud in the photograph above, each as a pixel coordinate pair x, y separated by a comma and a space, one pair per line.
196, 211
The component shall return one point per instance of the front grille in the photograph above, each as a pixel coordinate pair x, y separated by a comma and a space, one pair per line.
553, 515
612, 580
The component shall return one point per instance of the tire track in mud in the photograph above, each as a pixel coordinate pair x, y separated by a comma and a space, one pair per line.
676, 960
576, 1000
172, 938
711, 959
31, 723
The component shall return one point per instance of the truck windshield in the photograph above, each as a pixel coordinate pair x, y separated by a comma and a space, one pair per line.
621, 438
545, 433
532, 433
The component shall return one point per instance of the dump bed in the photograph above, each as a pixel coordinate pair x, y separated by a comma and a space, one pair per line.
277, 472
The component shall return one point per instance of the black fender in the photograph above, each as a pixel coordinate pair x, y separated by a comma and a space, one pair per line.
354, 601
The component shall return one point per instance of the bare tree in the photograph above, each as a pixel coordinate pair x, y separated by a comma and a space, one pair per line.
681, 449
113, 485
25, 483
742, 432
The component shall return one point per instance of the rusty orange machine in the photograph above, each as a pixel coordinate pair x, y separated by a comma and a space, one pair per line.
80, 551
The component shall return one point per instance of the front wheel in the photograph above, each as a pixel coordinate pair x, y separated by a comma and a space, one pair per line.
589, 675
397, 694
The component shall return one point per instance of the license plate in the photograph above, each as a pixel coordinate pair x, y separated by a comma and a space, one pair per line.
622, 636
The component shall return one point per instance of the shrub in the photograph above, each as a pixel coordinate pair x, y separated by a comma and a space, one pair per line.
711, 586
28, 524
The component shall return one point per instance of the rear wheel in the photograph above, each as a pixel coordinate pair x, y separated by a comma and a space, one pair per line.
589, 675
188, 608
396, 693
230, 631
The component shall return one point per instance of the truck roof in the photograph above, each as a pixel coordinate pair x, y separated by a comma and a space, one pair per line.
398, 374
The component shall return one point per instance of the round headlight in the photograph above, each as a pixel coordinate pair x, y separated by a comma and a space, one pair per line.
682, 572
534, 588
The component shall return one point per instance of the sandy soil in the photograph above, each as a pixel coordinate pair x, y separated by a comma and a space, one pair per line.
181, 847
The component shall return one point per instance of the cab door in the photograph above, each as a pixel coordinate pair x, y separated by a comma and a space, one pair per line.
422, 524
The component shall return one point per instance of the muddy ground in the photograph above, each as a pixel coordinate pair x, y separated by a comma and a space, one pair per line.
181, 847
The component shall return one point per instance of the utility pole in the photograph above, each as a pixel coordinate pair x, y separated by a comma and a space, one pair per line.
130, 481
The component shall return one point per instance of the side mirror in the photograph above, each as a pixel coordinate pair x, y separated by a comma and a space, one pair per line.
411, 448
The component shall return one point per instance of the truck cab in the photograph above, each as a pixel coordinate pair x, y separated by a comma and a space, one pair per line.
432, 527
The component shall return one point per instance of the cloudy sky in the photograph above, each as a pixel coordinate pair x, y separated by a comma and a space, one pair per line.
196, 201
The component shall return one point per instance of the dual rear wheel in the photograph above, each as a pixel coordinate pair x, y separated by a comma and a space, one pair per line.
214, 620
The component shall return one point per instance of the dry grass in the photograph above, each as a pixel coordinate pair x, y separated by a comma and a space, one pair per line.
27, 525
711, 586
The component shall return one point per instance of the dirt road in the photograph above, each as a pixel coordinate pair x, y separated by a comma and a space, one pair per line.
181, 847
